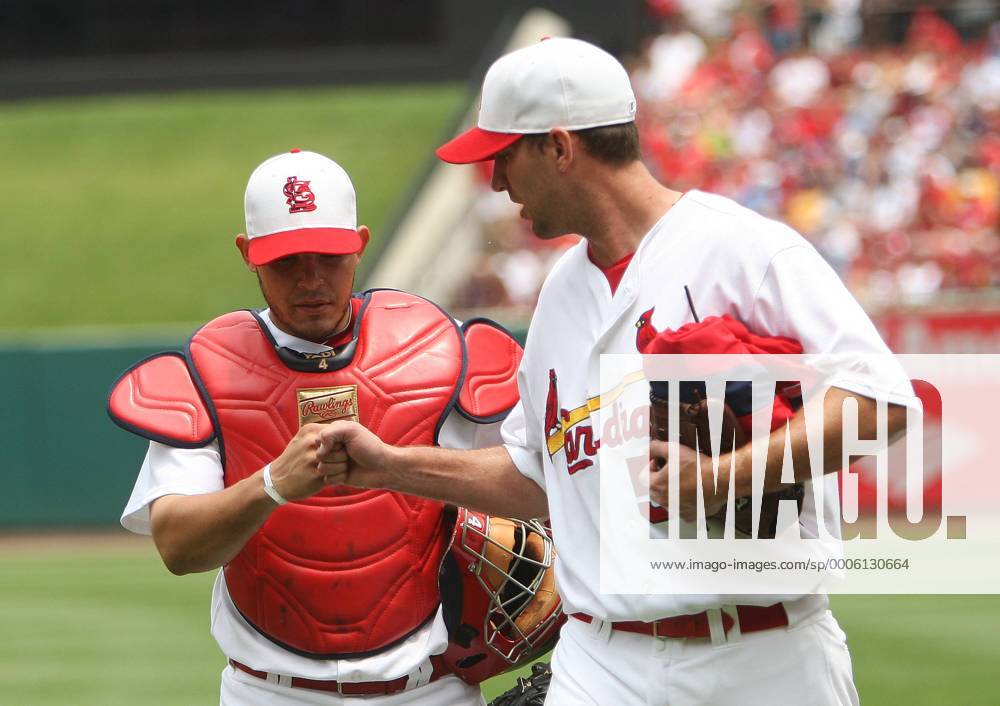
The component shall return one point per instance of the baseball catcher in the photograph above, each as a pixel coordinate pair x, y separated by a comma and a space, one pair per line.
324, 588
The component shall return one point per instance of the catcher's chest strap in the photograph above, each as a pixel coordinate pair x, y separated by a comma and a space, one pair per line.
364, 688
752, 619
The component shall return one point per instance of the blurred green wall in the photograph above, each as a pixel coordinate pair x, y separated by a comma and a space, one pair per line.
65, 462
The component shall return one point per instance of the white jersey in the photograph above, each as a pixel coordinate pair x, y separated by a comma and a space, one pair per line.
735, 262
171, 471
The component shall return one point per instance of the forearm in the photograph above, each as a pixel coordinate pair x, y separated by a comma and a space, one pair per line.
480, 479
775, 458
832, 410
196, 533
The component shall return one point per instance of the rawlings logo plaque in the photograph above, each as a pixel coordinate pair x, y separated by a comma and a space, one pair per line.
299, 196
319, 405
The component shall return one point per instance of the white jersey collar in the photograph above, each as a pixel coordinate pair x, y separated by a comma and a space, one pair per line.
287, 340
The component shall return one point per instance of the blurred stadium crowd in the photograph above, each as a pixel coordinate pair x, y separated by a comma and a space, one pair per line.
886, 156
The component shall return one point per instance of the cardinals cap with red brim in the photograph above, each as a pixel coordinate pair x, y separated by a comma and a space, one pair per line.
300, 202
555, 83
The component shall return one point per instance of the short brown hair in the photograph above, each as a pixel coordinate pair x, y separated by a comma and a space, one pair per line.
611, 144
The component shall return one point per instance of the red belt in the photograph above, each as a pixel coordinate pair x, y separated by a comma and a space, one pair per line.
752, 619
364, 688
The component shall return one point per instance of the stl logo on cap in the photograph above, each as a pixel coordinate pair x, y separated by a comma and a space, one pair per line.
299, 196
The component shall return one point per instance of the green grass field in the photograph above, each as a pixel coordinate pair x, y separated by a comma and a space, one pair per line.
123, 210
108, 625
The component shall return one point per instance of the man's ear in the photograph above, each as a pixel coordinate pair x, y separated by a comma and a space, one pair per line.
243, 245
562, 144
365, 235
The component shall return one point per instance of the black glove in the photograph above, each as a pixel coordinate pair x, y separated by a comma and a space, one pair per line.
529, 691
693, 431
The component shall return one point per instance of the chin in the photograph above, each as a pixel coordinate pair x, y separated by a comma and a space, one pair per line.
545, 232
318, 331
309, 329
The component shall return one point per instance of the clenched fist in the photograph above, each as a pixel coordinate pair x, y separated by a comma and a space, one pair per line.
694, 469
296, 473
349, 454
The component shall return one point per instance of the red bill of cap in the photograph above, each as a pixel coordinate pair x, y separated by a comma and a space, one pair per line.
476, 145
324, 241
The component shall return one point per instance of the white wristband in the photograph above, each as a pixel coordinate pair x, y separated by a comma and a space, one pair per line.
269, 488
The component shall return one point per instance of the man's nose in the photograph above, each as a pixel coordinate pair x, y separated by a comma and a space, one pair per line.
310, 273
498, 182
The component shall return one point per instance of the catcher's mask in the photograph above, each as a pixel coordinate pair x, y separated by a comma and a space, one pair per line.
499, 594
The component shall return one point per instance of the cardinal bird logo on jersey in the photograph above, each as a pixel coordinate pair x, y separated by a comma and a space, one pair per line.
569, 430
299, 196
645, 332
553, 414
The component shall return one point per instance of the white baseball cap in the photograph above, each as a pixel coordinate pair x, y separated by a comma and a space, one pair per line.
557, 82
300, 202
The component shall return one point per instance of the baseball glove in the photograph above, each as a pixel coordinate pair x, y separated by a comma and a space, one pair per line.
529, 691
693, 431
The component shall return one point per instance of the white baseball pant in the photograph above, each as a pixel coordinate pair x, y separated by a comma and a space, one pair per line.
805, 664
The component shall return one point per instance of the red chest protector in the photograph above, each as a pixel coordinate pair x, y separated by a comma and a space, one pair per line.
281, 581
385, 548
346, 572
